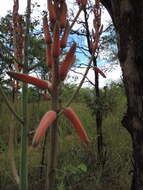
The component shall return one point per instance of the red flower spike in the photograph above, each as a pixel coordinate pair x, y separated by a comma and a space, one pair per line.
44, 85
68, 62
47, 120
71, 115
56, 41
99, 71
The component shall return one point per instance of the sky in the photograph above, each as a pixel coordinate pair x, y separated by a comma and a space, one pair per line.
113, 75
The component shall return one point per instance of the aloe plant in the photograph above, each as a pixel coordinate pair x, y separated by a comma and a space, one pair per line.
58, 21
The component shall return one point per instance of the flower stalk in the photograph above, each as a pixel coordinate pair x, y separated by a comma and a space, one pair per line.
24, 130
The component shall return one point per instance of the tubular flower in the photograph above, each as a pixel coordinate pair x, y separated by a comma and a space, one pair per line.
49, 56
63, 15
52, 13
46, 30
44, 85
47, 120
71, 115
63, 42
56, 41
67, 63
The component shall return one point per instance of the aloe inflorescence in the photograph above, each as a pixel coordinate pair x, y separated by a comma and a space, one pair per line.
56, 30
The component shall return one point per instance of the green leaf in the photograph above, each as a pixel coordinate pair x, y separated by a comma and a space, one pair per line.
82, 167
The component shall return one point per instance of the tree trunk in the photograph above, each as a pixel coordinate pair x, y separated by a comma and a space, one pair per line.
98, 116
97, 92
127, 16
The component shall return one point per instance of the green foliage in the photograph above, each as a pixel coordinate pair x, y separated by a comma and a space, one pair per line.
111, 98
77, 167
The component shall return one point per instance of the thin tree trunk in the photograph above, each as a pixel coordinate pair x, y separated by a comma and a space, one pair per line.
97, 93
98, 116
52, 159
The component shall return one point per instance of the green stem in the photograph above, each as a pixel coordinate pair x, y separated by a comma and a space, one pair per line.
10, 106
24, 131
11, 151
51, 170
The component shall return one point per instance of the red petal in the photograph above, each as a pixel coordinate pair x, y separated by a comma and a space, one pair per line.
47, 120
31, 80
71, 115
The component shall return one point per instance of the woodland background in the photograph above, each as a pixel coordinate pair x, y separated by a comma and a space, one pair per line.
78, 167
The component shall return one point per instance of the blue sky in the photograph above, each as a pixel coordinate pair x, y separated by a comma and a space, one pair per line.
111, 75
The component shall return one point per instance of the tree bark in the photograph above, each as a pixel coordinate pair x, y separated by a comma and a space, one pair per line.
127, 16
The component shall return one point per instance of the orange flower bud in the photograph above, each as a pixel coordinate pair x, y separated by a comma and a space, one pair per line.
63, 42
49, 56
51, 9
42, 84
47, 120
71, 115
46, 30
99, 71
67, 63
63, 15
56, 41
